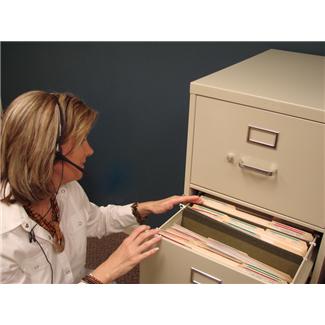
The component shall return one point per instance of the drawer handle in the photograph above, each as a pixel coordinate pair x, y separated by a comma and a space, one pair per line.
213, 278
257, 170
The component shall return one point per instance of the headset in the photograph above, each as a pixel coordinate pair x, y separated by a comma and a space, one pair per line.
58, 156
59, 141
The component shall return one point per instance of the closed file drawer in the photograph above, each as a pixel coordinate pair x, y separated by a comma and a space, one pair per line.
268, 159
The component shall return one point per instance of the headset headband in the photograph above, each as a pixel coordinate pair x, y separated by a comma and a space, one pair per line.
62, 123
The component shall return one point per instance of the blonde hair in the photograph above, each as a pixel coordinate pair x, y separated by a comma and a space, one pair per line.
29, 135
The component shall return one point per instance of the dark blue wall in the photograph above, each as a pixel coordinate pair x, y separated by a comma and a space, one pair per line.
141, 91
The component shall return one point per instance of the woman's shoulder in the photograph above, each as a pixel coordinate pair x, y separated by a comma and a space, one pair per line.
72, 187
11, 216
72, 190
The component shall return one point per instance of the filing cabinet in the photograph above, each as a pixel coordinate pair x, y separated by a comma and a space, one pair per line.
256, 140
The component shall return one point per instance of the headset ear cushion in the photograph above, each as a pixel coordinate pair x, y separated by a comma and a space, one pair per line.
58, 155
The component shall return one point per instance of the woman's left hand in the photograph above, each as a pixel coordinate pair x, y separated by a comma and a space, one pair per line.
164, 205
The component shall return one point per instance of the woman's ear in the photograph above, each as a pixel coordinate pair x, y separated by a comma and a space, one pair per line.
68, 146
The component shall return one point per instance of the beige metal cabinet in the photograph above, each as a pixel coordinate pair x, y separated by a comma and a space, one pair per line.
256, 139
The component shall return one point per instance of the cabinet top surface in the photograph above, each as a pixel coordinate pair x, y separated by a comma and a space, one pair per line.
274, 76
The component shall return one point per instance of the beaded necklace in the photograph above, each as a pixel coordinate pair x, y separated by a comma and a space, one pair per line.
52, 226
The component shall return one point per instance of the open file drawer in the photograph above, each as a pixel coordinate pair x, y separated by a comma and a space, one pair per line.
256, 139
175, 263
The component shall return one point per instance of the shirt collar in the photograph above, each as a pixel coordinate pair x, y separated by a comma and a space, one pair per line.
11, 216
14, 215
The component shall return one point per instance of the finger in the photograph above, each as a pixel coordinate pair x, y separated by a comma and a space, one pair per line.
137, 231
191, 198
148, 253
187, 199
195, 199
144, 236
147, 245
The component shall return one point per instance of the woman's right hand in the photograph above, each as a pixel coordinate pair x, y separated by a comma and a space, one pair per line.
135, 248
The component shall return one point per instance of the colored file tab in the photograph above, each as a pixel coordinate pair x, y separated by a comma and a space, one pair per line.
284, 241
233, 211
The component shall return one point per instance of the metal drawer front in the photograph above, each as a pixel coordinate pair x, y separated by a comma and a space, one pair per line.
174, 263
285, 176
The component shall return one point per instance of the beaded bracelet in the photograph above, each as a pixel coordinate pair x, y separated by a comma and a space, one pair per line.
136, 213
89, 278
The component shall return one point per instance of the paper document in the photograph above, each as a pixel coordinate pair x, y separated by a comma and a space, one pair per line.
225, 254
233, 211
284, 241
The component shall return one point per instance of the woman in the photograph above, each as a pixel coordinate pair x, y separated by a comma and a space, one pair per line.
46, 216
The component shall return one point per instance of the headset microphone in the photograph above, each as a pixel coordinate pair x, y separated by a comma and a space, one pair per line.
60, 156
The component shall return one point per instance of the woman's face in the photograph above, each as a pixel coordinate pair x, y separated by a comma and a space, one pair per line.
77, 155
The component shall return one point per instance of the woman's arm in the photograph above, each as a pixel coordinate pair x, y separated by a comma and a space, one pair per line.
164, 205
141, 244
104, 220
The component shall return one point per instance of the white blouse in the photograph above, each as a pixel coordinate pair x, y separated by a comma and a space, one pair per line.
22, 261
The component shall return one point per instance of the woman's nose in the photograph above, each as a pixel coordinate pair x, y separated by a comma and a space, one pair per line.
89, 150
